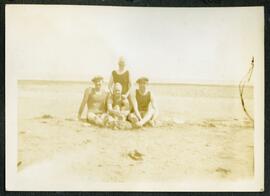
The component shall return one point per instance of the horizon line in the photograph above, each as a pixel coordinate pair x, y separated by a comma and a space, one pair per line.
151, 83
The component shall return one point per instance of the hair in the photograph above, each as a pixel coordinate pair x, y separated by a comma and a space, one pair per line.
121, 59
97, 78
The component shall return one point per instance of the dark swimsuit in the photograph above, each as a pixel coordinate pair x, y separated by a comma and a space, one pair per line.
123, 79
143, 100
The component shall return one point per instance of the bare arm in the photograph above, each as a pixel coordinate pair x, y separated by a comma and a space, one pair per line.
83, 103
109, 105
110, 109
125, 110
135, 106
129, 86
153, 103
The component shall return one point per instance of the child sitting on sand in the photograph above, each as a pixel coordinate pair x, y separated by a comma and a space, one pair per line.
117, 108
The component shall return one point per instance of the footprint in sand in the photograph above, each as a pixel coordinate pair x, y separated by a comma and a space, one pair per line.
86, 141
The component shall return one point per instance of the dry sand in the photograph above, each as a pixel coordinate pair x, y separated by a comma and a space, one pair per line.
202, 135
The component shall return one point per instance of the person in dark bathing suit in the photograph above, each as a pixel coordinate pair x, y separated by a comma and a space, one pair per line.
122, 76
95, 99
146, 105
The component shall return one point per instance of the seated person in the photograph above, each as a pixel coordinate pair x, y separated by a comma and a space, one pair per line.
146, 105
95, 98
117, 107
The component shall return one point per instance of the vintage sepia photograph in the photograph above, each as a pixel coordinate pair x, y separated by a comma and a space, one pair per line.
104, 98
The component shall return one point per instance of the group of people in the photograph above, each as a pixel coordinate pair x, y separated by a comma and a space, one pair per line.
120, 104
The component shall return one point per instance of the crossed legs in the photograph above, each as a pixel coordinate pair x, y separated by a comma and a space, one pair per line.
97, 119
147, 117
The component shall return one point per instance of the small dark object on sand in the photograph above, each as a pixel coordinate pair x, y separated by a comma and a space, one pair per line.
208, 124
211, 125
135, 155
46, 116
222, 170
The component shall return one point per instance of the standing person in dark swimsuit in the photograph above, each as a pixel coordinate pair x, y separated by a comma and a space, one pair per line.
122, 76
95, 99
146, 105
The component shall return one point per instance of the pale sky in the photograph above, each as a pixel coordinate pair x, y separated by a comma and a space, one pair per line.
185, 45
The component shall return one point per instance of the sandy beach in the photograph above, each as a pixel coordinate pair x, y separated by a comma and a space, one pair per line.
203, 134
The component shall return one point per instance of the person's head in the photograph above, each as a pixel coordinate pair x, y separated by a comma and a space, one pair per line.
121, 63
142, 83
117, 89
97, 80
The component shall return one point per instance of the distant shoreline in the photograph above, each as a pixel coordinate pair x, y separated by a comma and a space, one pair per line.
154, 83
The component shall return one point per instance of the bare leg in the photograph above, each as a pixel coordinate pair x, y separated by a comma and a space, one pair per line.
152, 122
118, 109
133, 118
95, 119
133, 102
91, 117
110, 121
147, 117
101, 119
155, 115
